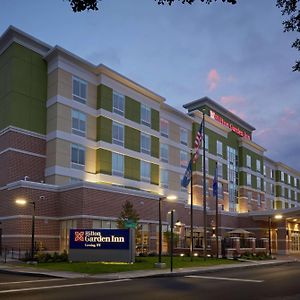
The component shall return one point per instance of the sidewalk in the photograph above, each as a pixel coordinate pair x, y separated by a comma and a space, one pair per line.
14, 268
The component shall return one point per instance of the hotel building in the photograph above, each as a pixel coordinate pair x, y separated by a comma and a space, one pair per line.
80, 139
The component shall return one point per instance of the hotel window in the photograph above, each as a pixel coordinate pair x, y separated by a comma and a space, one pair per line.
289, 193
164, 127
295, 181
145, 115
118, 134
206, 142
289, 179
164, 152
258, 183
118, 103
220, 190
281, 176
219, 148
249, 196
272, 174
258, 165
77, 156
272, 188
164, 178
183, 159
248, 161
220, 169
78, 122
249, 181
117, 164
259, 200
183, 136
145, 171
145, 143
265, 186
79, 90
264, 170
282, 191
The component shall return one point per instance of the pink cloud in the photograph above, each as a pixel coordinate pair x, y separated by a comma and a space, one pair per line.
227, 100
238, 113
213, 79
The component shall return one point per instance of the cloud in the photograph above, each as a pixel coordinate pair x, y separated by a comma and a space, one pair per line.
213, 79
227, 100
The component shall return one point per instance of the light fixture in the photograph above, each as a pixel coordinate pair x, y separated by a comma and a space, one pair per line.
21, 202
171, 197
295, 220
278, 217
181, 254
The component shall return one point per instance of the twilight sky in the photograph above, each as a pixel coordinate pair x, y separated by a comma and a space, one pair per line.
237, 55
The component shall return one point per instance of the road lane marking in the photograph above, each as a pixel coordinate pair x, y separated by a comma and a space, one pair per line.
30, 281
61, 286
223, 278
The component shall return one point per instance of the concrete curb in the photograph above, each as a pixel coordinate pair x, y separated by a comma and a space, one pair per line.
140, 274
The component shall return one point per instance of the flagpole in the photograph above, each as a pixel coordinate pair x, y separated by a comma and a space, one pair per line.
217, 207
192, 221
204, 188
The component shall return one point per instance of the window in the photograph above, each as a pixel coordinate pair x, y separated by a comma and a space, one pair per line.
281, 176
118, 134
164, 152
220, 170
272, 174
249, 196
272, 188
206, 142
258, 183
220, 190
248, 161
78, 122
264, 170
164, 178
183, 136
289, 179
249, 181
117, 164
258, 165
118, 103
164, 127
145, 115
289, 193
282, 191
79, 90
219, 148
77, 156
145, 171
145, 143
183, 159
295, 181
259, 200
265, 186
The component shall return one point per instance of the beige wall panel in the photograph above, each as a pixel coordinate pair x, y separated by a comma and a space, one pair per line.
174, 156
91, 128
174, 132
52, 84
190, 139
90, 160
52, 118
92, 96
57, 179
58, 153
64, 118
64, 84
174, 181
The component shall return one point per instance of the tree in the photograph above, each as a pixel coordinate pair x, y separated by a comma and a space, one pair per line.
128, 213
289, 8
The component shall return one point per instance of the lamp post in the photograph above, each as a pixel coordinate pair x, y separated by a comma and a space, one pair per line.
160, 199
270, 240
172, 239
24, 202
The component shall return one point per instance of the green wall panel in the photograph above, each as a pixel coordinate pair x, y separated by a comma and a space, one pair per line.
104, 97
154, 146
132, 139
243, 152
278, 205
155, 121
132, 168
132, 110
155, 174
104, 129
103, 161
23, 89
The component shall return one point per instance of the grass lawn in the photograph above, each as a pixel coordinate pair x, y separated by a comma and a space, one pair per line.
142, 263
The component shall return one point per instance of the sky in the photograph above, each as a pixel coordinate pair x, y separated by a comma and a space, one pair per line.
238, 55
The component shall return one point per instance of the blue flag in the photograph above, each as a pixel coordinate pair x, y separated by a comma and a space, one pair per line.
215, 182
187, 175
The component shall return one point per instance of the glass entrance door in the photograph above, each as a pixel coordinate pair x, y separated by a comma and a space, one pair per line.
295, 241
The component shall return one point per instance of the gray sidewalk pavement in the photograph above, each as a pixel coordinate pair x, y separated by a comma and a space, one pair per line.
18, 268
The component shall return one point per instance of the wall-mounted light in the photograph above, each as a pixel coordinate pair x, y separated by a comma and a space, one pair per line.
278, 217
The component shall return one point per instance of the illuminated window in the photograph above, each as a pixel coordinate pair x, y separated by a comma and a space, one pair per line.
282, 176
248, 161
118, 134
183, 159
272, 174
118, 103
249, 179
117, 164
145, 115
145, 143
206, 142
145, 171
164, 127
78, 122
289, 179
295, 181
164, 152
264, 170
219, 148
258, 165
183, 136
77, 156
79, 90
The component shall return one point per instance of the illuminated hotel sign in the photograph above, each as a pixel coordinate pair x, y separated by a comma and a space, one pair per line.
234, 128
99, 239
110, 245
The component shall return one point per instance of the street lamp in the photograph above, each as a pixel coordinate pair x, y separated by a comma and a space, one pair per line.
24, 202
170, 197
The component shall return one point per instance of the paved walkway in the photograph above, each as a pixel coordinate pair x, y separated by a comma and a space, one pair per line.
18, 268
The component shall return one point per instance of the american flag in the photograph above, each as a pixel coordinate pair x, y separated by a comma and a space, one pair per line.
197, 142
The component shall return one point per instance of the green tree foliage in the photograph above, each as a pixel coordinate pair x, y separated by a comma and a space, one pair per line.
289, 8
128, 213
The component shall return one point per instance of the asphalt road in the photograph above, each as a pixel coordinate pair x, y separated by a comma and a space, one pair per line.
276, 282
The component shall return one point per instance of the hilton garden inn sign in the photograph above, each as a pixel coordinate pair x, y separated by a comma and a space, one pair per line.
102, 245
